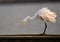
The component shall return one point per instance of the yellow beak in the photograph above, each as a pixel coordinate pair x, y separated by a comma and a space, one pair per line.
23, 23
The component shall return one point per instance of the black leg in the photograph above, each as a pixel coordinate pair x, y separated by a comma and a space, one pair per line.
45, 28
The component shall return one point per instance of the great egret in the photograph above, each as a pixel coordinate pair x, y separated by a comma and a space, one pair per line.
44, 14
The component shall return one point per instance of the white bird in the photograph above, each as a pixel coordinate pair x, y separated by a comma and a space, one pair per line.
44, 14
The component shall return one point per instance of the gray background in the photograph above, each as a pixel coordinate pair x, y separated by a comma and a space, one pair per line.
12, 14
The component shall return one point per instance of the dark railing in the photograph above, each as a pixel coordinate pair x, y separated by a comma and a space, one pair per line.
28, 1
30, 38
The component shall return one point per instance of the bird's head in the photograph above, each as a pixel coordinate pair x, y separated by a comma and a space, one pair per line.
24, 21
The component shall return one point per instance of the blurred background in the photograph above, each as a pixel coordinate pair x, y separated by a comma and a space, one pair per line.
12, 12
7, 1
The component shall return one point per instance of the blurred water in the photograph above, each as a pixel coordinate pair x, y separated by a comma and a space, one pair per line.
12, 14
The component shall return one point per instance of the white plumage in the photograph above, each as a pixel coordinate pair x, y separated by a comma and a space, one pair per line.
46, 14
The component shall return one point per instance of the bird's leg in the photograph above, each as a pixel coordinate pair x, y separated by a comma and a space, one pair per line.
45, 25
45, 28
